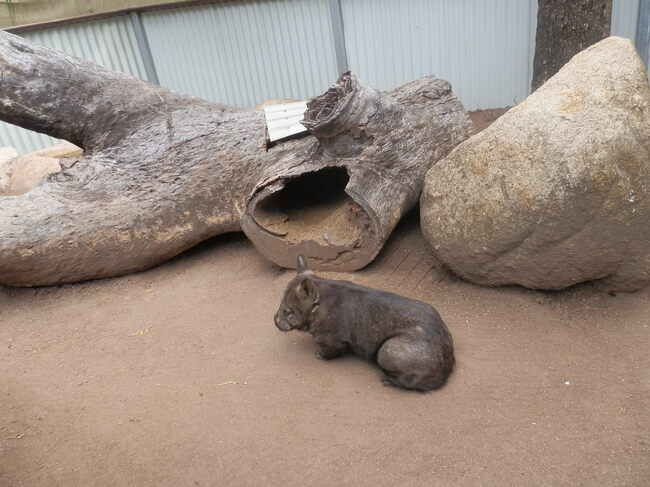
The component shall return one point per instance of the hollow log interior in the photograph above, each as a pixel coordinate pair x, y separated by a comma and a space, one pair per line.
314, 206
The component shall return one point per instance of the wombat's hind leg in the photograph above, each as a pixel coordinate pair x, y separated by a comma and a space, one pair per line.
409, 364
388, 380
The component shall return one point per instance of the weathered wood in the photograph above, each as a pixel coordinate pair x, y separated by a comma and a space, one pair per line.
164, 171
564, 28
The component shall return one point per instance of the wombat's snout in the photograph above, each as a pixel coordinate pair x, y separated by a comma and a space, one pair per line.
282, 326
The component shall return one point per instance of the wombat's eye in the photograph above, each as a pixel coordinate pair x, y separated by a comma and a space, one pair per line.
288, 312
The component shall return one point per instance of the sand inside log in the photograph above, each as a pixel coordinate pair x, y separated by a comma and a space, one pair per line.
315, 207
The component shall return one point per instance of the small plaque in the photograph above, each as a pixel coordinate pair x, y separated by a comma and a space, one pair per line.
283, 120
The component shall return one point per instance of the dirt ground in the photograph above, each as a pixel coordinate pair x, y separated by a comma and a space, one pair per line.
177, 376
482, 119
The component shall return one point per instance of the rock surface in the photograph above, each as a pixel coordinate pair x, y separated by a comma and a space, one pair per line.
19, 174
556, 191
6, 155
58, 151
270, 103
25, 172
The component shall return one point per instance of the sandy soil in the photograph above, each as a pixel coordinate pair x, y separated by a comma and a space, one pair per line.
177, 376
482, 119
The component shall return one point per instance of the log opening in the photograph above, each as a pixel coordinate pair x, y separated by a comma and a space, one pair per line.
312, 214
314, 206
340, 200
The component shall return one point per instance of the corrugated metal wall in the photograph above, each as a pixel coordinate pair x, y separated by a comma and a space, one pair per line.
484, 48
244, 53
109, 42
624, 18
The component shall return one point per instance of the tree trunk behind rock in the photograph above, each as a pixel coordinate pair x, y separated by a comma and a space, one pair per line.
163, 171
564, 28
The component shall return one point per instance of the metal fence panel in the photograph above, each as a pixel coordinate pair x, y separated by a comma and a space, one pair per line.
625, 21
243, 53
624, 18
485, 49
110, 42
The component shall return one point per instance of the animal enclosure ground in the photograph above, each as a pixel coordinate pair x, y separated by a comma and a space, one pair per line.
178, 376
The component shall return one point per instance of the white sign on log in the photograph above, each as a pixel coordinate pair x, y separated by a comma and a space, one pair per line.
284, 120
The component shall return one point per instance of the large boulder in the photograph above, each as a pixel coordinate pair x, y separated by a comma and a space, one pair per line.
557, 190
6, 154
19, 174
60, 150
25, 172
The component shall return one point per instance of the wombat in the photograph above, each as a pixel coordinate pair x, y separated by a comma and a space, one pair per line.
405, 337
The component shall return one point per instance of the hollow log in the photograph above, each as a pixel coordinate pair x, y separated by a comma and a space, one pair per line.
162, 171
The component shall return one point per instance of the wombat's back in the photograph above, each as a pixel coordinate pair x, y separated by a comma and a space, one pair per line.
370, 316
380, 306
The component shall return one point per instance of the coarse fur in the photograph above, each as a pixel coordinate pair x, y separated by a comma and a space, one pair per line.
406, 338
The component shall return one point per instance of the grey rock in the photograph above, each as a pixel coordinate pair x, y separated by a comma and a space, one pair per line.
7, 154
23, 173
557, 190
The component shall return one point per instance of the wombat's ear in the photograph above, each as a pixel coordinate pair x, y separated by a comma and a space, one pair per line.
302, 265
308, 290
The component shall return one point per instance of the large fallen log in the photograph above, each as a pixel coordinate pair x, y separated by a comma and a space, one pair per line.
163, 171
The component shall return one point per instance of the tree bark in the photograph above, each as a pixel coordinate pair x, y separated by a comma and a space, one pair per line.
564, 28
164, 171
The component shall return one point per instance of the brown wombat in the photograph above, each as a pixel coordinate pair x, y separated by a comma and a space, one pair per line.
405, 337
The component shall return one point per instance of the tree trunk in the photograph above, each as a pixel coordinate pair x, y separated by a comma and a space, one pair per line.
564, 28
164, 171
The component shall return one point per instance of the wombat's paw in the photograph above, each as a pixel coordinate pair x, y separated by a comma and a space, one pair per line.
319, 356
390, 381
